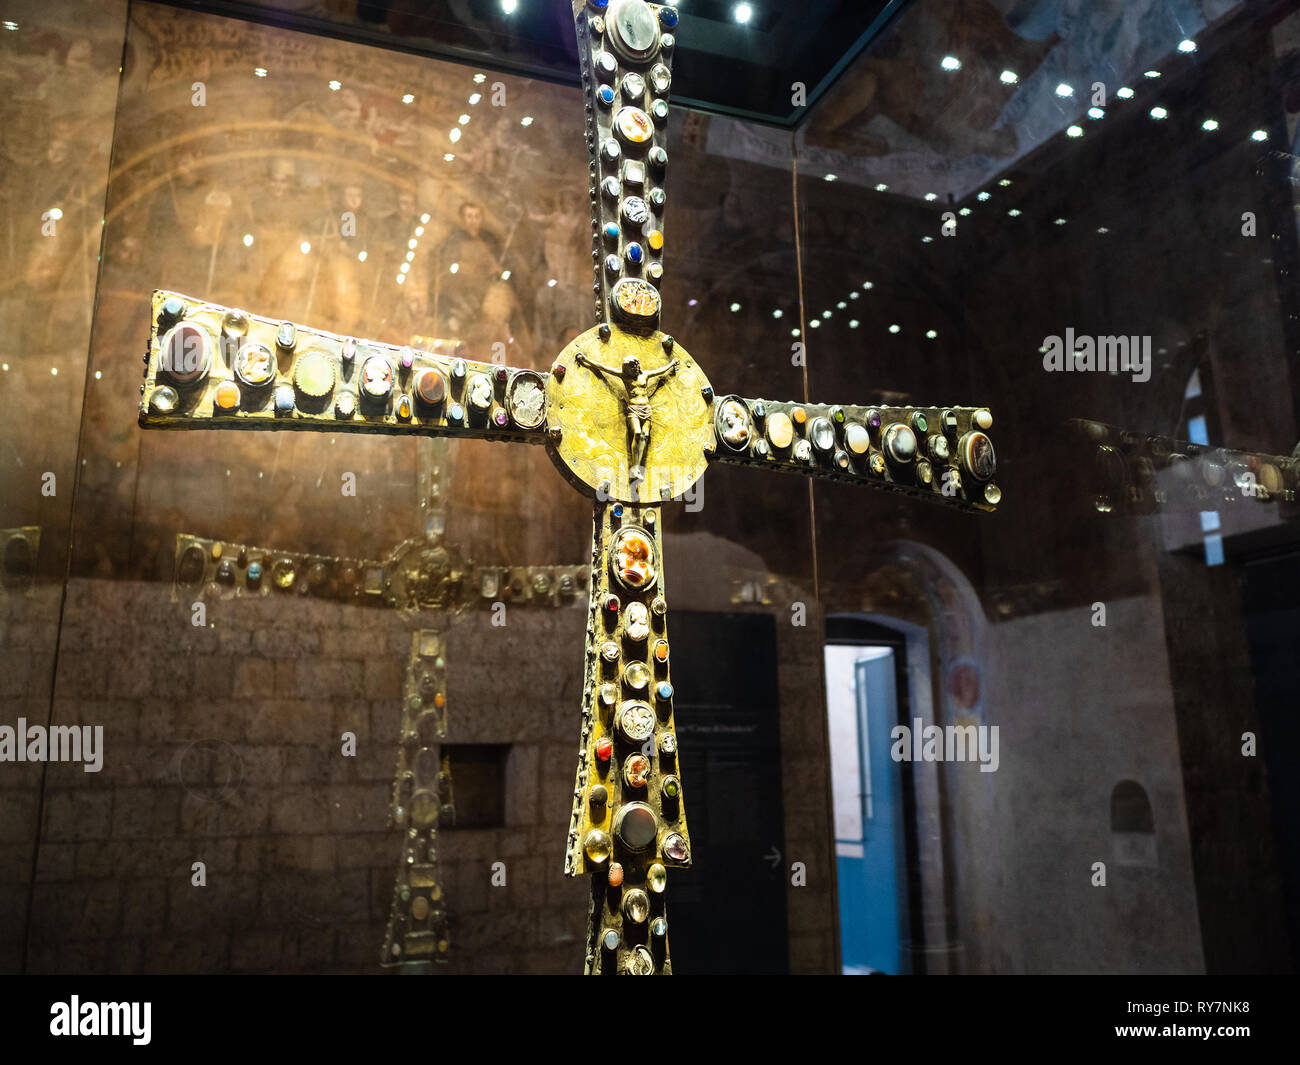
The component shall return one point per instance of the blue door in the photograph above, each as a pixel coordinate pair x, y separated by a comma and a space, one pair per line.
872, 868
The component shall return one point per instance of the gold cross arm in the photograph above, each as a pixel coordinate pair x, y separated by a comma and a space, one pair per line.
214, 367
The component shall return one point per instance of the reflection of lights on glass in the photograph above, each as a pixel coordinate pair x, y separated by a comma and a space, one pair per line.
1210, 125
509, 6
854, 294
854, 323
735, 307
1059, 221
527, 120
742, 13
931, 334
1010, 77
248, 240
479, 79
1159, 114
454, 135
841, 305
505, 275
448, 157
1124, 92
692, 302
964, 211
10, 26
881, 187
361, 256
424, 219
405, 268
895, 328
1064, 90
1096, 113
816, 323
1151, 74
54, 370
1005, 182
305, 247
335, 86
401, 279
1074, 131
55, 212
1102, 229
950, 62
931, 197
1014, 212
410, 256
778, 313
419, 231
455, 268
408, 98
259, 72
868, 285
463, 120
5, 367
1259, 135
552, 283
99, 374
826, 314
831, 177
1187, 46
413, 244
983, 197
794, 332
474, 98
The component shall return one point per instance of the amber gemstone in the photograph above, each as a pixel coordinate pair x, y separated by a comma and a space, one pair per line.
227, 395
799, 415
615, 874
596, 846
655, 239
661, 651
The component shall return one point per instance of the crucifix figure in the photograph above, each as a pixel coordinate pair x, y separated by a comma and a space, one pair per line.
637, 391
217, 367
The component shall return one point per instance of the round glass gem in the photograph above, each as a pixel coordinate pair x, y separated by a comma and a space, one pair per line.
424, 808
186, 354
780, 430
431, 388
526, 399
611, 188
604, 748
609, 940
655, 239
920, 423
632, 558
226, 397
190, 568
668, 17
283, 573
610, 151
671, 788
633, 28
661, 651
598, 795
924, 473
254, 364
636, 676
596, 846
636, 906
675, 847
284, 399
609, 651
661, 78
606, 65
983, 419
313, 375
634, 253
654, 271
163, 399
636, 770
636, 622
803, 451
900, 443
635, 300
608, 696
225, 572
657, 198
403, 407
377, 377
876, 463
478, 392
254, 574
605, 95
659, 927
658, 157
633, 126
977, 457
635, 211
659, 606
733, 424
842, 460
821, 434
612, 264
611, 231
636, 722
656, 878
664, 690
632, 88
992, 494
635, 826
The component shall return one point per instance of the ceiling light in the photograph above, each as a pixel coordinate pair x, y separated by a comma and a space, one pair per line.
259, 72
335, 86
509, 6
778, 313
1259, 135
735, 307
742, 13
304, 247
1074, 131
831, 177
527, 120
950, 62
463, 120
1010, 77
505, 275
1159, 113
454, 134
1210, 125
1096, 113
1064, 90
895, 328
1187, 46
475, 98
408, 98
248, 240
1151, 74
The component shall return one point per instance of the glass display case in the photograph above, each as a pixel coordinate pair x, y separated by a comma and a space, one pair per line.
286, 701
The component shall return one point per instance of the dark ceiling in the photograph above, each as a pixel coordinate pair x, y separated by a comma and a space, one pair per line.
723, 67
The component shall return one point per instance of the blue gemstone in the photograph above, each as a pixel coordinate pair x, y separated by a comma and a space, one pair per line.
665, 690
283, 400
612, 264
605, 95
254, 572
611, 231
599, 5
618, 510
456, 412
634, 253
668, 16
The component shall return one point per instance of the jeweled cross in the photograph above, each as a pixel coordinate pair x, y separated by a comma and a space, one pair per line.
210, 366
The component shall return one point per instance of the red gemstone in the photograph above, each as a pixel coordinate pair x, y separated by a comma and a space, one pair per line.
558, 370
604, 748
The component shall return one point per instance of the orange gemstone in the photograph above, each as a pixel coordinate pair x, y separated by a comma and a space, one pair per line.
440, 700
655, 239
800, 415
615, 874
227, 395
661, 651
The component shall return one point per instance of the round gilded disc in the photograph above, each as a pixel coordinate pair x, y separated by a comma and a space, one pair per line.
780, 430
636, 676
636, 722
526, 400
592, 416
633, 125
635, 302
255, 364
313, 375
